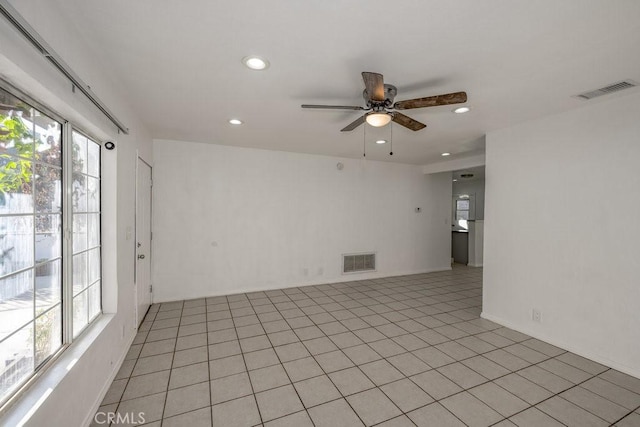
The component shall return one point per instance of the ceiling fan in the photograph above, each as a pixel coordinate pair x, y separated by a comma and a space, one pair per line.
379, 98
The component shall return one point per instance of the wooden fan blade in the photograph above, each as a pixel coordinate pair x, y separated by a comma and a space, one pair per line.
374, 83
351, 126
408, 122
432, 101
332, 107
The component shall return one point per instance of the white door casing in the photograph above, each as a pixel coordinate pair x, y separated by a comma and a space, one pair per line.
143, 240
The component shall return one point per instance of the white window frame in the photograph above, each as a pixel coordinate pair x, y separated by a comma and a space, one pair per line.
66, 303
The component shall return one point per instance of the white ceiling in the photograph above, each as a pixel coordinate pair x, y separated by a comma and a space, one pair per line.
180, 63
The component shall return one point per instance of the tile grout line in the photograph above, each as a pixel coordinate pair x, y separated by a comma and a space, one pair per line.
244, 361
166, 397
399, 287
632, 412
340, 349
343, 397
206, 340
402, 413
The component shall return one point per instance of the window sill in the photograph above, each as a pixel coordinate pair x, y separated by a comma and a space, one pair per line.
18, 411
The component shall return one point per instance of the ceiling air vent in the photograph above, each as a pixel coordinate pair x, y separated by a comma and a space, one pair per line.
626, 84
355, 263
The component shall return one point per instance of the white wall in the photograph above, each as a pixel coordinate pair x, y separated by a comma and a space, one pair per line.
80, 388
476, 243
229, 220
562, 230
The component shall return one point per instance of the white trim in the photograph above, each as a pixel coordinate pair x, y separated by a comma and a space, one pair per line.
454, 164
577, 350
29, 400
137, 239
89, 419
311, 283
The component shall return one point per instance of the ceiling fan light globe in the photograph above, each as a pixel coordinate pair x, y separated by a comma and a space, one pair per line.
378, 119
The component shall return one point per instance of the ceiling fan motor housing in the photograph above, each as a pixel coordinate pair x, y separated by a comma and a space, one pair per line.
390, 92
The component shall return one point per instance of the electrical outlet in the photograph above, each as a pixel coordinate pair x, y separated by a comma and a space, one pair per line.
305, 271
536, 316
320, 271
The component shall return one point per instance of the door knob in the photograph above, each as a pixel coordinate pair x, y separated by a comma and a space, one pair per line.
141, 256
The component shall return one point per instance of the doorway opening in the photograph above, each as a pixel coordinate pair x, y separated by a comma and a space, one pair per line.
467, 216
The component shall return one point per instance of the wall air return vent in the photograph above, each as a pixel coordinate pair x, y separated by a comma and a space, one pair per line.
355, 263
615, 87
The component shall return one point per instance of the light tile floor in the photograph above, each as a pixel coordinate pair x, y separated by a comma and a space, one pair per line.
399, 351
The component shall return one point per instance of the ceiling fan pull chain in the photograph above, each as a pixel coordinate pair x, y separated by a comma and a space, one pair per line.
364, 141
391, 140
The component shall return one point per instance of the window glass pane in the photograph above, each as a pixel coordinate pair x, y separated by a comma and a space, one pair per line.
94, 300
48, 237
79, 192
30, 240
80, 313
16, 126
16, 302
462, 215
48, 334
93, 194
462, 205
16, 183
48, 133
79, 153
48, 285
80, 265
93, 159
94, 265
16, 243
79, 232
86, 231
16, 359
93, 230
48, 183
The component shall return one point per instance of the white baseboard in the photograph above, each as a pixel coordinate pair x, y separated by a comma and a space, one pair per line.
474, 265
89, 418
577, 350
341, 279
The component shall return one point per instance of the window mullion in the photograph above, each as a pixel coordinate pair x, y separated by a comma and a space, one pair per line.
67, 241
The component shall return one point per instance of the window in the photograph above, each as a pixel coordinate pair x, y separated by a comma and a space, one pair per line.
462, 209
86, 231
40, 309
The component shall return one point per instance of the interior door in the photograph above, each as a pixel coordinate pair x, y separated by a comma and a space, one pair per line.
143, 239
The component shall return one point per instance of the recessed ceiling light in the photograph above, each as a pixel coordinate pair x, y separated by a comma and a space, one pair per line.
455, 180
381, 141
255, 62
446, 154
235, 122
461, 110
